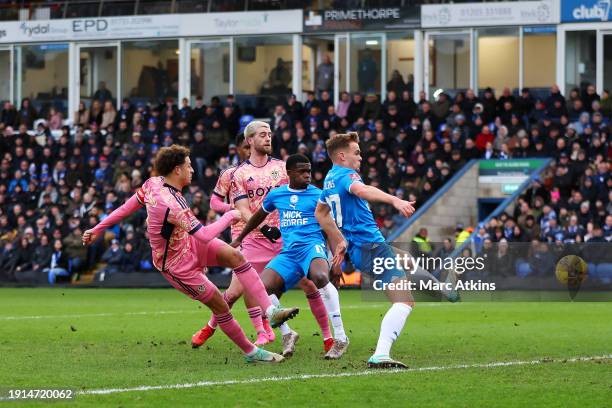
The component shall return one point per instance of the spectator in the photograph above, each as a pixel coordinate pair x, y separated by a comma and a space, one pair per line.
75, 250
325, 75
40, 258
343, 105
22, 261
424, 246
367, 72
279, 115
407, 107
27, 114
8, 115
396, 83
294, 109
279, 77
7, 259
131, 259
102, 94
114, 258
95, 113
59, 263
109, 115
54, 119
126, 112
461, 234
81, 116
209, 180
371, 108
484, 137
355, 109
502, 261
441, 107
231, 120
446, 250
589, 96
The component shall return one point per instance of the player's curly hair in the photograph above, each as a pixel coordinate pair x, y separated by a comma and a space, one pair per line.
340, 141
169, 157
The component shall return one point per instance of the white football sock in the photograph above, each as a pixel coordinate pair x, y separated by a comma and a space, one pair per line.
331, 299
391, 327
284, 328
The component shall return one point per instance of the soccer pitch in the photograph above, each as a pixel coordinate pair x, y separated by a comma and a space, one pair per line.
127, 347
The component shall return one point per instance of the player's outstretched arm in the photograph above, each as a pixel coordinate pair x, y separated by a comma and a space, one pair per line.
218, 205
252, 223
212, 231
372, 194
334, 237
129, 207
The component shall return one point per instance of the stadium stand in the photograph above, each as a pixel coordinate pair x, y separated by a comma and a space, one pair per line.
57, 179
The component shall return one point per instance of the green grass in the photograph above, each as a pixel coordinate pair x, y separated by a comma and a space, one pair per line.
100, 339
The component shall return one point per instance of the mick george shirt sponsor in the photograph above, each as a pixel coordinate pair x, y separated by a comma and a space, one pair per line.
292, 218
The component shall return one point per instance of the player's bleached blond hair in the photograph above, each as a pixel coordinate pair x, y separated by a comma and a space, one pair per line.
340, 141
251, 128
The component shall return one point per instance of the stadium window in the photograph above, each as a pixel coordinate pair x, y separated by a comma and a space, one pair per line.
539, 57
98, 73
400, 63
42, 76
264, 70
318, 56
150, 70
498, 58
366, 63
607, 61
5, 75
580, 66
449, 61
210, 69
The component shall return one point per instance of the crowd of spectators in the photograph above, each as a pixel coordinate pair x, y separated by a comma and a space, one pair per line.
549, 222
60, 177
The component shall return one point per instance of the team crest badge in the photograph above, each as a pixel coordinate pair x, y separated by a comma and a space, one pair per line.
275, 174
293, 199
201, 288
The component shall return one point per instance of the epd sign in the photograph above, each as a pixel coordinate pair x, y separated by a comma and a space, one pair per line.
89, 25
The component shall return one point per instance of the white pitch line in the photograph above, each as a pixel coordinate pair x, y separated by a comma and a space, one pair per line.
162, 312
337, 375
73, 316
